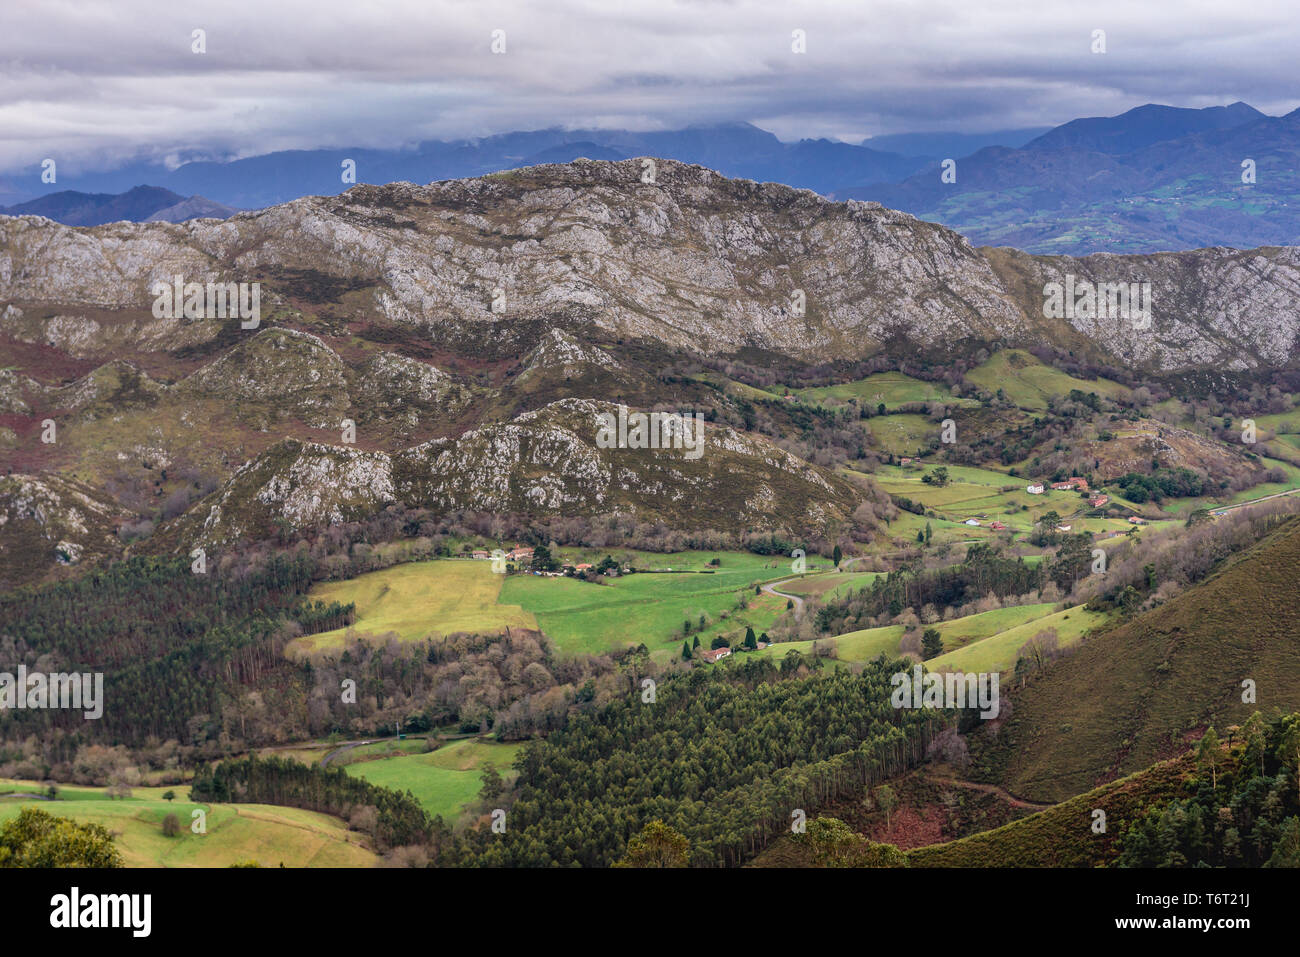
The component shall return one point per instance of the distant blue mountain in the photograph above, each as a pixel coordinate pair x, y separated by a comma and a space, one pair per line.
1141, 127
1153, 178
139, 204
954, 145
737, 149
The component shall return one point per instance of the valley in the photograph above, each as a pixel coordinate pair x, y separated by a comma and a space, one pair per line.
370, 573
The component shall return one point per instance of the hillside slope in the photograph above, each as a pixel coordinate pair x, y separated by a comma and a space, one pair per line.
1166, 675
545, 462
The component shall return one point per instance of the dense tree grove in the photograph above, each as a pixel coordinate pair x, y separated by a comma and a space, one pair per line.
1245, 815
724, 757
169, 642
400, 818
1162, 484
35, 838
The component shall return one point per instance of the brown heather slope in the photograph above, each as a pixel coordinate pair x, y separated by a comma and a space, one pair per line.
1139, 693
1062, 836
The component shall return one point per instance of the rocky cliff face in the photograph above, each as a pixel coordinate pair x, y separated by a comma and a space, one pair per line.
547, 462
694, 261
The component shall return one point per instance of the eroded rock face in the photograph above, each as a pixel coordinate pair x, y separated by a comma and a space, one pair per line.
1221, 309
295, 370
301, 484
397, 385
695, 261
544, 462
54, 519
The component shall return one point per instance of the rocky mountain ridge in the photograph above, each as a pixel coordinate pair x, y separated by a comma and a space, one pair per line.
693, 260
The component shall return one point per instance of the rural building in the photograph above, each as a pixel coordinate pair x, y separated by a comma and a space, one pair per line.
584, 566
1064, 528
972, 521
1099, 501
905, 461
715, 655
482, 556
1034, 489
1134, 520
997, 525
520, 554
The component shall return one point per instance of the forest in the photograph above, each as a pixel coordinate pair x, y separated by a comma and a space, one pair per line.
728, 757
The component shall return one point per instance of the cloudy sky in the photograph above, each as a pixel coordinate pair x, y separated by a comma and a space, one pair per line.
97, 81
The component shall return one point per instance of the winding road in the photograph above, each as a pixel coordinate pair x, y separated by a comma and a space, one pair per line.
770, 589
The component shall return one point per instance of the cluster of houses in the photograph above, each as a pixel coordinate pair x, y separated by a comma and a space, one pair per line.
519, 553
1069, 485
524, 554
976, 523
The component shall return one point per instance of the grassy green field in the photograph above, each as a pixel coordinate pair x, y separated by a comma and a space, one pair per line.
903, 434
437, 598
891, 388
420, 599
650, 608
736, 388
999, 651
959, 634
445, 780
828, 585
1029, 383
268, 834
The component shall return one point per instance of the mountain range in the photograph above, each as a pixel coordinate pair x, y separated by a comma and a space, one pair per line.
1152, 179
695, 261
141, 204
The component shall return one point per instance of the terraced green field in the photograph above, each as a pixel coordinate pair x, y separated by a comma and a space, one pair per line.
268, 834
961, 633
1000, 651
